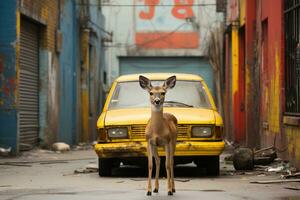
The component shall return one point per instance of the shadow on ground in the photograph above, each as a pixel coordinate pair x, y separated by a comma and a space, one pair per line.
179, 171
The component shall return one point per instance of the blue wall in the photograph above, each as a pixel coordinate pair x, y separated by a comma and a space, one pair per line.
68, 76
97, 23
8, 110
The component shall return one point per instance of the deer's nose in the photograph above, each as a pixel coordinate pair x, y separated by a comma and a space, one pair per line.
156, 101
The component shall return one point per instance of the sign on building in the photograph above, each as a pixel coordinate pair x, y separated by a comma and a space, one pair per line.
166, 24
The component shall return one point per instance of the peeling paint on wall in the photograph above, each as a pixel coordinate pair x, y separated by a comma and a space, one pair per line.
293, 137
274, 94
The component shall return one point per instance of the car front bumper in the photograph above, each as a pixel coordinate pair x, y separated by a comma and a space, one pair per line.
139, 149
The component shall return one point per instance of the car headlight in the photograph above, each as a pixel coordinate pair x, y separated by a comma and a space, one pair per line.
200, 131
117, 133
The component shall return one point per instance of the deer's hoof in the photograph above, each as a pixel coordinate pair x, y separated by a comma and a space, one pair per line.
155, 190
173, 190
148, 193
170, 193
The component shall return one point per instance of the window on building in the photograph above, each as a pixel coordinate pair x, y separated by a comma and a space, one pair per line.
292, 56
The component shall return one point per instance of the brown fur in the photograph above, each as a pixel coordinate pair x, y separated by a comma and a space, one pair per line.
161, 130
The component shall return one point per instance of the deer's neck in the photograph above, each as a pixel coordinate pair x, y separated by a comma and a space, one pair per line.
157, 118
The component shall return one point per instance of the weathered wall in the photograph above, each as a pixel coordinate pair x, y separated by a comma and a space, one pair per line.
251, 77
92, 67
8, 72
45, 13
61, 89
292, 132
129, 24
265, 121
69, 68
271, 60
97, 61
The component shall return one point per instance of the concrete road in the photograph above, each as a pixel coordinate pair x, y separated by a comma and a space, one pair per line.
48, 180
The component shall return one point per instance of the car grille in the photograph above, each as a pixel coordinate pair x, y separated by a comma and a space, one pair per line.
138, 131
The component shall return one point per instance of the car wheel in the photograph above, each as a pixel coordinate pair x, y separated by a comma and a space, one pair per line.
105, 166
210, 163
213, 166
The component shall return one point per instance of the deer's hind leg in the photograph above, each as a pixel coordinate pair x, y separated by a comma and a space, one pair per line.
172, 152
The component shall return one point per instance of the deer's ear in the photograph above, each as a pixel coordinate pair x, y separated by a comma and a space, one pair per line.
170, 82
145, 83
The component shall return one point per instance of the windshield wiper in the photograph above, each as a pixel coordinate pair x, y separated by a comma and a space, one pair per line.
179, 103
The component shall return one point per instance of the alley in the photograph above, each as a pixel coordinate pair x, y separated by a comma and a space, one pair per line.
93, 92
49, 175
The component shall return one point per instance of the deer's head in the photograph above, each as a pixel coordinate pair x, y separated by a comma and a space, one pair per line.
157, 93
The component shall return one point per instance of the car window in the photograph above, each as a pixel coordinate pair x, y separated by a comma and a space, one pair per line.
184, 94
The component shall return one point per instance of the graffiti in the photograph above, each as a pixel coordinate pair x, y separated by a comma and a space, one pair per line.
180, 10
164, 24
183, 10
7, 84
151, 9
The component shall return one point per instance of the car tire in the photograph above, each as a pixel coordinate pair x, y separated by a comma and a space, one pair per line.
105, 166
210, 163
213, 166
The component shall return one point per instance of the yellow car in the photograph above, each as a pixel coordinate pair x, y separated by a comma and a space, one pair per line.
121, 126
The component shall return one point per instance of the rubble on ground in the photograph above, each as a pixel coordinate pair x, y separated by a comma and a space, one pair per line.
91, 168
82, 146
60, 146
5, 151
246, 158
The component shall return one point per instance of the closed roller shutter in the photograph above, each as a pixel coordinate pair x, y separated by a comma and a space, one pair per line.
179, 64
29, 86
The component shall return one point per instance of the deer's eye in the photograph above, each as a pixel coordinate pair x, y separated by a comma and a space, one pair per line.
151, 93
163, 93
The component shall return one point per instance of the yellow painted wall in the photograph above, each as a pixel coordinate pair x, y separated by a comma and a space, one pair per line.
242, 11
234, 59
293, 140
274, 96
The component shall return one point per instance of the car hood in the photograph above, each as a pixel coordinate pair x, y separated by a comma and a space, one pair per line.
142, 115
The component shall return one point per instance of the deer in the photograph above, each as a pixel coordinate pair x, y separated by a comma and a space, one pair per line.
160, 131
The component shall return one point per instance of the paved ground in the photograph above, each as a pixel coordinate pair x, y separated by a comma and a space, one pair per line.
46, 180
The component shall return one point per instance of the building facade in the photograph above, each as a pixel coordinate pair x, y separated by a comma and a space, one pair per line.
51, 66
261, 94
160, 36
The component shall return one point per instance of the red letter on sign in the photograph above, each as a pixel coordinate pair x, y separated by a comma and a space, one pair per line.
150, 13
183, 9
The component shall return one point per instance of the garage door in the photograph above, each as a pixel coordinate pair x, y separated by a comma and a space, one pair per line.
191, 65
29, 86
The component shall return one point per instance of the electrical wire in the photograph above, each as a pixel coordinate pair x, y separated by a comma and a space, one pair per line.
149, 41
143, 5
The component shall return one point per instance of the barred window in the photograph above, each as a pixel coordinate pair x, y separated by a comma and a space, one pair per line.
292, 56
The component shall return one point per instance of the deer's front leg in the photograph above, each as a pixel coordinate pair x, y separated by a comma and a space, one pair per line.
150, 166
157, 164
168, 168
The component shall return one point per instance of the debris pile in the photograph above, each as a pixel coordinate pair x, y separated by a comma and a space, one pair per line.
5, 151
91, 168
246, 159
262, 162
83, 146
60, 146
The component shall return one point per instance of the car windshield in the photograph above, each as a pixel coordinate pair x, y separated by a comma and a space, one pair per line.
184, 94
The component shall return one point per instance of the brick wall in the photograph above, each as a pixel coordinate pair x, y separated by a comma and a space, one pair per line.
45, 12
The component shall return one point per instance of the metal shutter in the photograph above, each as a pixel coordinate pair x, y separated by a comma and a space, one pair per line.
29, 86
184, 64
